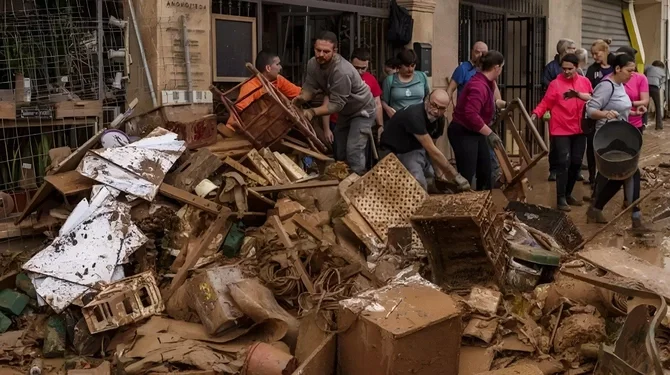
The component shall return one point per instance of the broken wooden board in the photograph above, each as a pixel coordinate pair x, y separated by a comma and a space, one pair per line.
188, 198
357, 224
621, 263
231, 154
246, 171
292, 169
69, 183
221, 225
286, 208
229, 144
306, 151
22, 229
274, 164
262, 198
263, 167
294, 186
293, 255
198, 167
66, 165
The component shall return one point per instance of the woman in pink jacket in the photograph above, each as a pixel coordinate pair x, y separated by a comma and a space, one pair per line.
565, 99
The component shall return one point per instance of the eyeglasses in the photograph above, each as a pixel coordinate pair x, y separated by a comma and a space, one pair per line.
436, 107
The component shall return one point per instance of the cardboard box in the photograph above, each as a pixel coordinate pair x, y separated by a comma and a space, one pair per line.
406, 327
210, 297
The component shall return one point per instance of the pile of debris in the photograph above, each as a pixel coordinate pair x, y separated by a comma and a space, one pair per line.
233, 258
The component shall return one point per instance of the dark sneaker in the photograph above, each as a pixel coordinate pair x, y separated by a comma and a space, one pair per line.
552, 176
580, 177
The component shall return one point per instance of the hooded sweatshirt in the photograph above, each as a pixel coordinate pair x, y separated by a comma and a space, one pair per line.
566, 114
476, 105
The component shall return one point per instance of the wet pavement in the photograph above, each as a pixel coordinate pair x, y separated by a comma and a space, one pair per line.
652, 247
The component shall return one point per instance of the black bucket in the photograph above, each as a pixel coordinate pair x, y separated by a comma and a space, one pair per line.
617, 146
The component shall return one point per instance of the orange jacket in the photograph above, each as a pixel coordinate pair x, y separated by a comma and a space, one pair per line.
282, 84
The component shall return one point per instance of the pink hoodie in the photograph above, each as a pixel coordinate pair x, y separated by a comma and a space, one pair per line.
566, 114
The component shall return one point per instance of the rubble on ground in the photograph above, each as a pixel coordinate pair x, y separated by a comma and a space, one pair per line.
232, 258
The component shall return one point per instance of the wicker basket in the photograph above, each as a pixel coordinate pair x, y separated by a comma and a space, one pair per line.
459, 235
552, 222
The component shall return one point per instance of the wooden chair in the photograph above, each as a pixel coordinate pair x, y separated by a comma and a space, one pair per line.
516, 183
269, 118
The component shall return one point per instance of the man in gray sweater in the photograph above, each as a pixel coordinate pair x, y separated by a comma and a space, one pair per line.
348, 96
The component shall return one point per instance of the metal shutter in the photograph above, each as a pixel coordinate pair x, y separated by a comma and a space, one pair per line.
603, 19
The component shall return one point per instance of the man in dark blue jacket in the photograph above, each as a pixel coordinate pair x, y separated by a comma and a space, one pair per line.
551, 71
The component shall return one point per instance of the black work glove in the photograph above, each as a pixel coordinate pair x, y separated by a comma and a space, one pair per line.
494, 141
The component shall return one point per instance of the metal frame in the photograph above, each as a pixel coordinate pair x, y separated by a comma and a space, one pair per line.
254, 47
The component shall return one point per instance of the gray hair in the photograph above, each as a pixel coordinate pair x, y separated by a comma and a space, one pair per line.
582, 54
563, 45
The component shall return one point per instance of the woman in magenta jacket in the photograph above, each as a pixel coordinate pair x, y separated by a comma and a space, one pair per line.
565, 99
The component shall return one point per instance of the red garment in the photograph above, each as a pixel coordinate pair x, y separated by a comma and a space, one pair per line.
566, 114
371, 81
476, 104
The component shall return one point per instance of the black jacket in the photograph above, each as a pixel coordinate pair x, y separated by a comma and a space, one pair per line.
593, 72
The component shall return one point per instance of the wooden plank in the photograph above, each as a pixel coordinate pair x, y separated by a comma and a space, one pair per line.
188, 198
272, 160
263, 167
281, 232
231, 154
262, 198
70, 163
357, 224
69, 183
291, 168
519, 141
83, 108
306, 151
229, 144
304, 185
246, 171
621, 263
198, 167
293, 255
296, 141
221, 225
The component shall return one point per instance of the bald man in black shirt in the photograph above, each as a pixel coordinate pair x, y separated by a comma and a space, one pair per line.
411, 133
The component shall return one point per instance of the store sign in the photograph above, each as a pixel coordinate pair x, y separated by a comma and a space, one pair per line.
186, 5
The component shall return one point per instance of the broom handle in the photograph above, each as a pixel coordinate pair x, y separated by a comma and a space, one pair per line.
630, 207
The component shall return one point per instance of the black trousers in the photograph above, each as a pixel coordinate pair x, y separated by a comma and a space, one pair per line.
606, 189
591, 158
553, 157
569, 150
473, 155
655, 95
